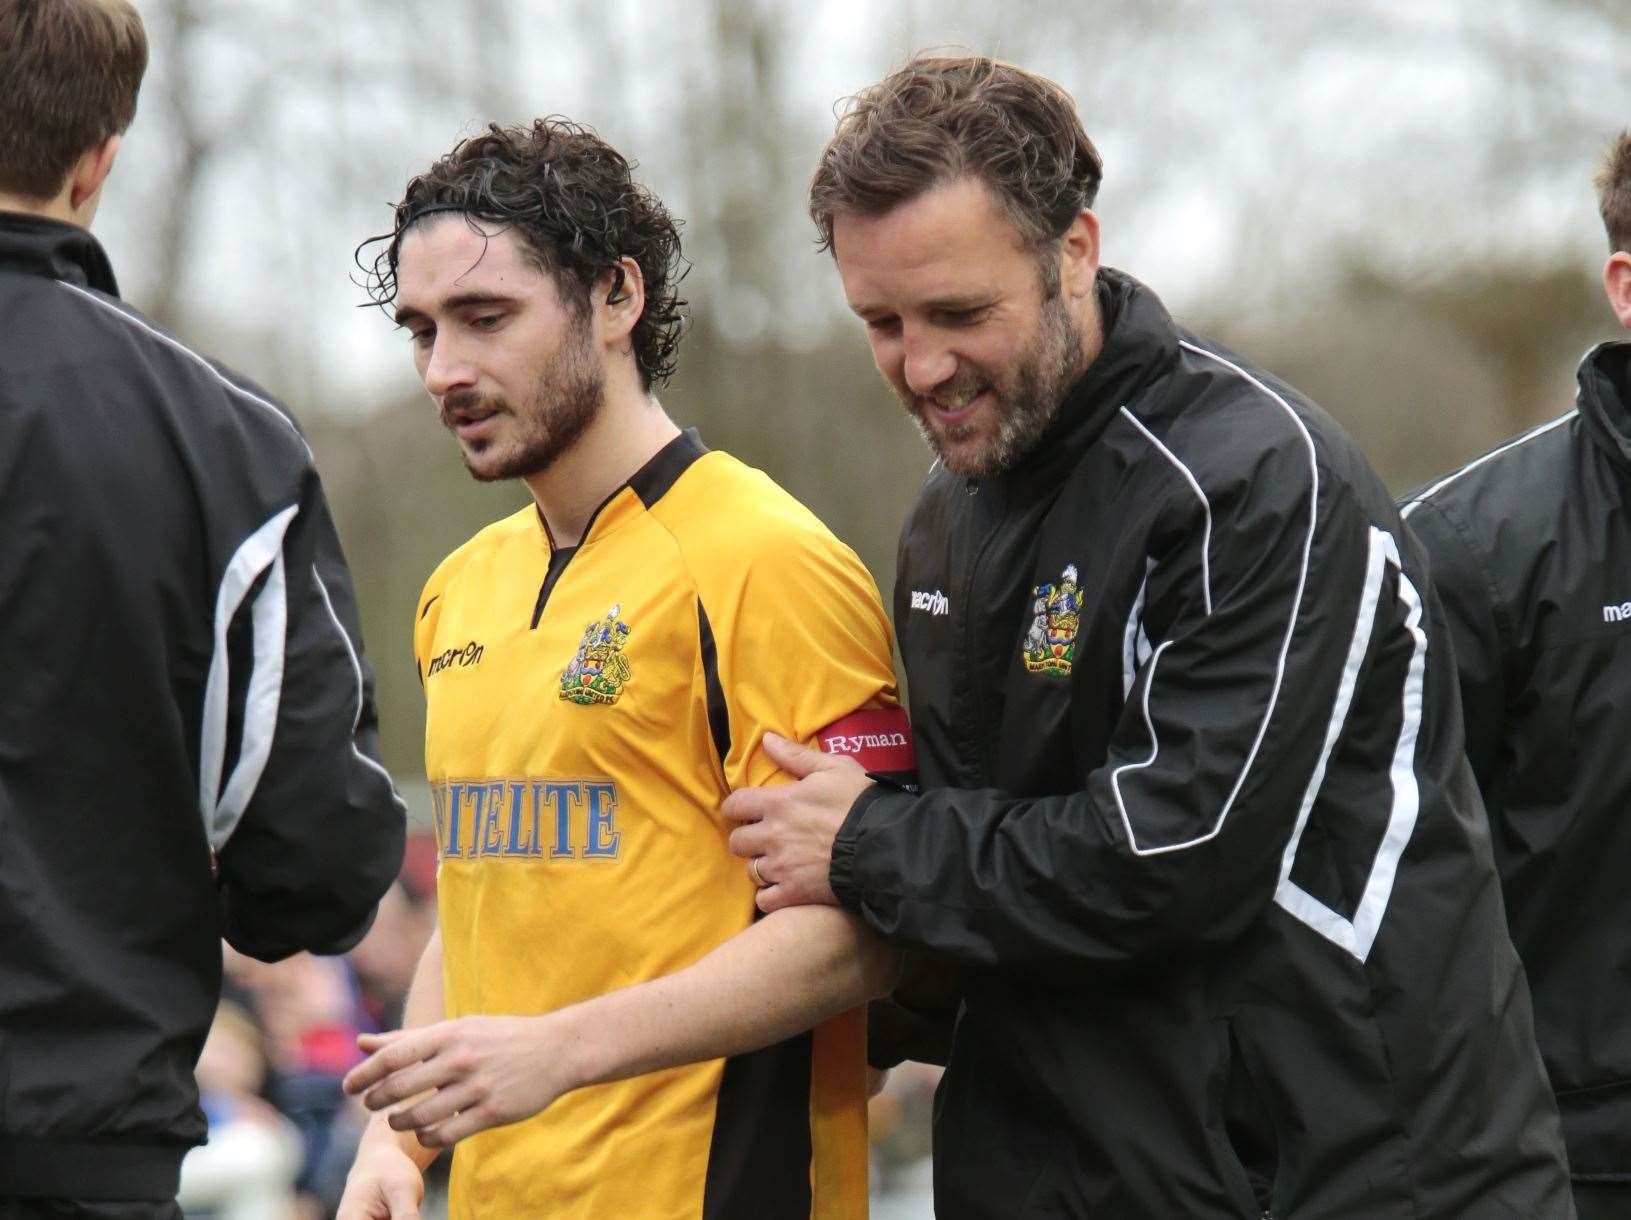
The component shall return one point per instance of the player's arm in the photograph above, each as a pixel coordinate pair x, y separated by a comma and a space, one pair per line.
1475, 613
784, 974
386, 1181
307, 828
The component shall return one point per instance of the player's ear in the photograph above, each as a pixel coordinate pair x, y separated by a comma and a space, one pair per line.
620, 298
1617, 283
1079, 255
87, 176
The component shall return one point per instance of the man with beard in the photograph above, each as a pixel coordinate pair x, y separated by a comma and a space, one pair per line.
1528, 545
599, 671
1197, 867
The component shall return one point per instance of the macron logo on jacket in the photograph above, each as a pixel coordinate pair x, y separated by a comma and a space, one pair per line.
936, 603
1611, 614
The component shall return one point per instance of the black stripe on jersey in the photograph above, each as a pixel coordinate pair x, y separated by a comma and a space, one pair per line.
759, 1159
557, 564
719, 717
426, 608
652, 481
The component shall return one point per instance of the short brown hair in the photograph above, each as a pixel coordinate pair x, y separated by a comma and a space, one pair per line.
1614, 193
69, 74
943, 117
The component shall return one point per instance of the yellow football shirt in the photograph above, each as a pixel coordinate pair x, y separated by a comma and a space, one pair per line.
589, 709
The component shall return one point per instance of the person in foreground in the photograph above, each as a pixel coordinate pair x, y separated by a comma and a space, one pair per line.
187, 742
599, 671
1528, 547
1198, 858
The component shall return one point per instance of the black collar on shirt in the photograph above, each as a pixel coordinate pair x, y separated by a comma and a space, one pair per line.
37, 245
1140, 343
1605, 399
650, 483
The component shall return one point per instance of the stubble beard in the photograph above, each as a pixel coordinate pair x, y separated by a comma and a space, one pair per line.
1027, 396
565, 400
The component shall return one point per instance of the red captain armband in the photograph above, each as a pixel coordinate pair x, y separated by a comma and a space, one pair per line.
880, 739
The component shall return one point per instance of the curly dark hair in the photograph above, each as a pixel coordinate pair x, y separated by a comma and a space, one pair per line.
570, 196
945, 116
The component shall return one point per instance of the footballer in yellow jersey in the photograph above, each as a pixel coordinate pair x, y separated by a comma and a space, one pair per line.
588, 710
601, 671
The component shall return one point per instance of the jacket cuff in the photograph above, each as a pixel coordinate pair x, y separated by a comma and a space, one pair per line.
842, 872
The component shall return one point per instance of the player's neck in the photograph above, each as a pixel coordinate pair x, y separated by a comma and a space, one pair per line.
50, 209
628, 432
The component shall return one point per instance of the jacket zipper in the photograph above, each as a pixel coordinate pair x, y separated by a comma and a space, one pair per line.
981, 736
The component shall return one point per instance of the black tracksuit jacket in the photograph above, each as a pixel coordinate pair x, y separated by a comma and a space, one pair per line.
1197, 841
187, 731
1530, 549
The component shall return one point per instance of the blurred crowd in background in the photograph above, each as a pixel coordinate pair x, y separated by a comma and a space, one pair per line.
282, 1133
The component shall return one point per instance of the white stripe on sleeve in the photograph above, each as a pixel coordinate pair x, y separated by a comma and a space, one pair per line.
356, 669
269, 617
259, 551
1285, 643
1359, 934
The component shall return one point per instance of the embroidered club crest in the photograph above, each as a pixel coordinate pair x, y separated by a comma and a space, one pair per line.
1050, 641
599, 671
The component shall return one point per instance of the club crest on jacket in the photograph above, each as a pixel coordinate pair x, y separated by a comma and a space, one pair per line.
1050, 641
599, 671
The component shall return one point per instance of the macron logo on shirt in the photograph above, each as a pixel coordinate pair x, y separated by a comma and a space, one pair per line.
1611, 614
936, 603
462, 656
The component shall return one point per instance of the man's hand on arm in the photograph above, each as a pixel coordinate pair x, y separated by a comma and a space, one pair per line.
778, 978
789, 829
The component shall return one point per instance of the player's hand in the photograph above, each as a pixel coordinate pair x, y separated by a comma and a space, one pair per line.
790, 829
474, 1073
384, 1184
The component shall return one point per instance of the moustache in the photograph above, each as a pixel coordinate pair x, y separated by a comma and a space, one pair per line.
954, 393
462, 405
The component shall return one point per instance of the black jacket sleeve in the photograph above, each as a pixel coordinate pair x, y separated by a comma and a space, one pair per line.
916, 1020
1473, 607
1176, 837
308, 829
